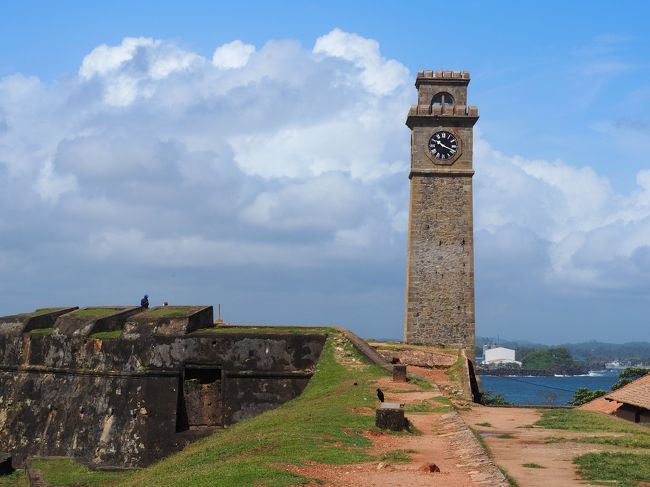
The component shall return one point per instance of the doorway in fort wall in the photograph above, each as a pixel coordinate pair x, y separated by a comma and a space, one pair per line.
201, 401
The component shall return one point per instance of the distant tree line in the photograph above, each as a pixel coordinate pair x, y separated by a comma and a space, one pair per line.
584, 395
548, 358
593, 353
551, 360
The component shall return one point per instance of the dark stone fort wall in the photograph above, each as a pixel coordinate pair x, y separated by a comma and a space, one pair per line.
270, 352
118, 402
119, 421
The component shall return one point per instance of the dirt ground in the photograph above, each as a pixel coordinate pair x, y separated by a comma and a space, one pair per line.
528, 445
445, 441
448, 443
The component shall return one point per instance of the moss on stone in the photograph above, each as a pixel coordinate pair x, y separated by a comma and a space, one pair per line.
42, 331
169, 312
95, 312
107, 335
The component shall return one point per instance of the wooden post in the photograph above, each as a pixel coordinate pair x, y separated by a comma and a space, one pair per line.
219, 320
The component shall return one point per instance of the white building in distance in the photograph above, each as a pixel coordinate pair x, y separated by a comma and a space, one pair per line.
494, 355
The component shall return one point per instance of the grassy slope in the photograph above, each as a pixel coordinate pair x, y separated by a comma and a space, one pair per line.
619, 468
67, 472
586, 421
318, 427
16, 479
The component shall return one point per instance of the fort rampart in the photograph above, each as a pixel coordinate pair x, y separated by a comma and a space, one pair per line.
143, 386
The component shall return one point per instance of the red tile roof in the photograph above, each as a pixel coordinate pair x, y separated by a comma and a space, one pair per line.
636, 393
601, 405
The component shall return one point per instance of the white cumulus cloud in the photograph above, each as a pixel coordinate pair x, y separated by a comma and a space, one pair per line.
379, 75
284, 167
233, 55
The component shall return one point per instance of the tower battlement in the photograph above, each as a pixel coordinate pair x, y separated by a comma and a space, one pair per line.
444, 110
428, 74
442, 87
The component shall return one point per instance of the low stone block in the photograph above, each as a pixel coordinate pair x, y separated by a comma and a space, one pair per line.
390, 416
399, 373
5, 464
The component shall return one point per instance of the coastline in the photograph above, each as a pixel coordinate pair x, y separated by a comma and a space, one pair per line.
517, 372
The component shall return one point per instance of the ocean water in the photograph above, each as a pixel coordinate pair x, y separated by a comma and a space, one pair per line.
551, 391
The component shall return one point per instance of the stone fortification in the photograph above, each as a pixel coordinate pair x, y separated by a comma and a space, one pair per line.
137, 396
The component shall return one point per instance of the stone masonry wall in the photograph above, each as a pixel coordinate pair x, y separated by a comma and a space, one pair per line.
440, 275
120, 402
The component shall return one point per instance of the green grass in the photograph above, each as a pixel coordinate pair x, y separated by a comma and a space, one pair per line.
532, 465
505, 436
317, 427
41, 331
95, 312
107, 335
634, 440
485, 424
421, 382
620, 469
426, 407
442, 400
63, 472
170, 312
299, 330
456, 373
16, 479
396, 456
591, 422
38, 312
585, 421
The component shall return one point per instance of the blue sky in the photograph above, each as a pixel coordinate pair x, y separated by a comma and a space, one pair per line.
254, 154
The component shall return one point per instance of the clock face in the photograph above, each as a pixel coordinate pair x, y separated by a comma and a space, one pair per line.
443, 145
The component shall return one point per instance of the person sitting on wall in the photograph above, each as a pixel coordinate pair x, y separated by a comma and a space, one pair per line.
144, 302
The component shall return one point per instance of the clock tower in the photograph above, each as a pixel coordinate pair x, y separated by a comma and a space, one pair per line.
439, 307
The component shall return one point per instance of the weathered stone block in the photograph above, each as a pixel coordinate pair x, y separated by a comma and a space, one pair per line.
390, 416
399, 373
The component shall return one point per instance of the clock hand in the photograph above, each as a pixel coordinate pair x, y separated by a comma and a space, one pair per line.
440, 143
